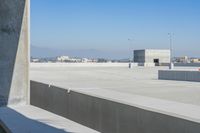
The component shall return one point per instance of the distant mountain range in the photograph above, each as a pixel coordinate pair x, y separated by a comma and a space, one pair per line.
42, 52
83, 53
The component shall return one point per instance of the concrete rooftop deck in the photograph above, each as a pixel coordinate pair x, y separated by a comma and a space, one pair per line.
137, 81
138, 88
30, 119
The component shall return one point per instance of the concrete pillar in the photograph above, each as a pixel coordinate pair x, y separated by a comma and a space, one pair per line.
171, 66
14, 52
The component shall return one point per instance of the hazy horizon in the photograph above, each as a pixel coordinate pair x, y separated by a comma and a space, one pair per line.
104, 26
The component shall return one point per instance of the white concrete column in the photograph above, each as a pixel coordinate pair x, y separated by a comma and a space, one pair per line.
14, 52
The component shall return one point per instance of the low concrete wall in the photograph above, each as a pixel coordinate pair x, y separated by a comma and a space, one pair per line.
104, 115
179, 75
187, 64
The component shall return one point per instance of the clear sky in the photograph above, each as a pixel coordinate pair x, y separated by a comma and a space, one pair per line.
107, 24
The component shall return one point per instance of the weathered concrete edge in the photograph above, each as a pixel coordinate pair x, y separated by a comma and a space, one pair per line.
66, 112
190, 115
179, 110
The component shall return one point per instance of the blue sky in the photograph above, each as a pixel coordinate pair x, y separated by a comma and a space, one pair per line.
106, 25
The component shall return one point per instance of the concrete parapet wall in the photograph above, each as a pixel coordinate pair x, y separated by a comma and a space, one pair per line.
105, 115
179, 75
187, 64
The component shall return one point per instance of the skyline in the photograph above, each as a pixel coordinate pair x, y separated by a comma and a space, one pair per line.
107, 25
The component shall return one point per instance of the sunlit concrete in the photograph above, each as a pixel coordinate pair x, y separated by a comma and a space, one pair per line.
14, 79
30, 119
111, 99
137, 81
14, 52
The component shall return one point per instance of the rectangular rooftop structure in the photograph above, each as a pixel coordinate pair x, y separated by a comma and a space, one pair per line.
152, 56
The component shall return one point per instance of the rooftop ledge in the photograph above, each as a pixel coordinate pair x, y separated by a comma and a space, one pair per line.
171, 108
30, 119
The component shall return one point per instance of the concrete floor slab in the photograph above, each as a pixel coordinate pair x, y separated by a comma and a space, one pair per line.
30, 119
136, 81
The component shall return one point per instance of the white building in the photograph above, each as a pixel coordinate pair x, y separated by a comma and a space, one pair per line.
184, 59
63, 58
196, 60
152, 56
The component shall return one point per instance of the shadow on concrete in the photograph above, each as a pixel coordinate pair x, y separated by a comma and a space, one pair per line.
11, 18
2, 130
21, 124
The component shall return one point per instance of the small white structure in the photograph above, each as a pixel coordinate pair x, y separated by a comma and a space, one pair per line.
62, 58
157, 56
195, 60
183, 59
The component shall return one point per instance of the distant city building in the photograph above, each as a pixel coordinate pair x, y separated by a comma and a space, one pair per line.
152, 56
36, 60
195, 60
63, 58
184, 59
69, 59
86, 60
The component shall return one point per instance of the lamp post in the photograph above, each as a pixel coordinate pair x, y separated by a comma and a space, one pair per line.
130, 63
171, 66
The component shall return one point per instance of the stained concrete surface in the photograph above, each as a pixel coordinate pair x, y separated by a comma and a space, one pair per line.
137, 81
14, 51
30, 119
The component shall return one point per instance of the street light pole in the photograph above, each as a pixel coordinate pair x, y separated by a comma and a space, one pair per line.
130, 65
171, 66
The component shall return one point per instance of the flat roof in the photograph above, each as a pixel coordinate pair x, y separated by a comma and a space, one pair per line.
137, 81
152, 49
138, 87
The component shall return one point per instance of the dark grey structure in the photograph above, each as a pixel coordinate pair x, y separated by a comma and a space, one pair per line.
14, 51
179, 75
